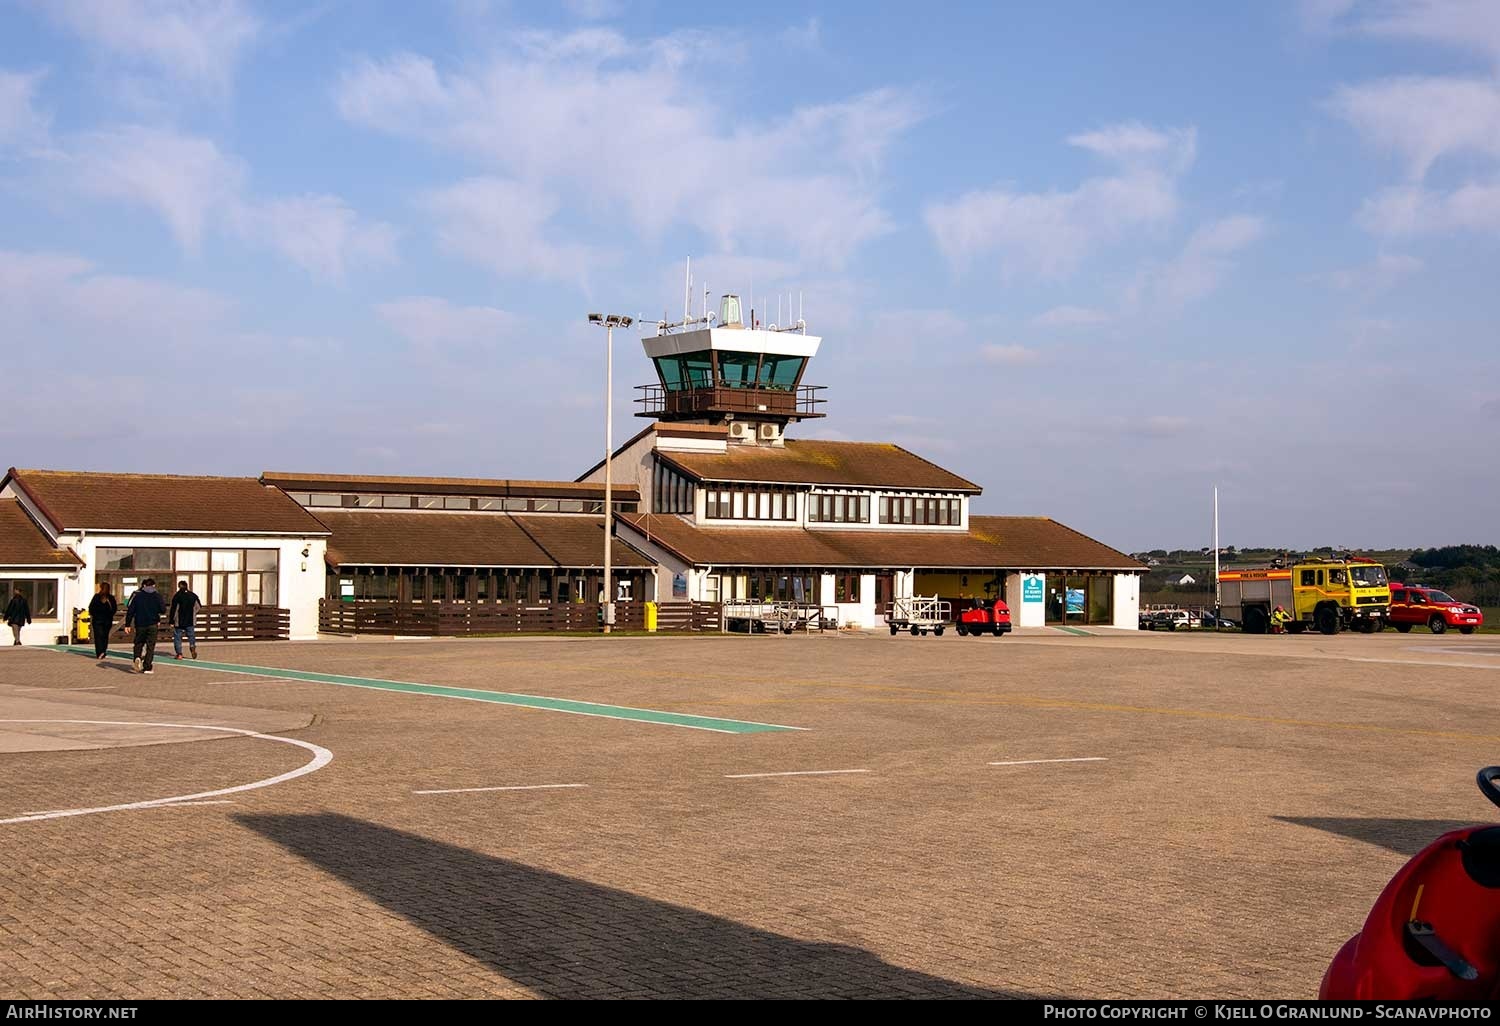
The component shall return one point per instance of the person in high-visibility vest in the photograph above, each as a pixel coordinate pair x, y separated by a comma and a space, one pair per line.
1279, 619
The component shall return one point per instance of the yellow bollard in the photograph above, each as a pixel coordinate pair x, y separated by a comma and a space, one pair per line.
650, 616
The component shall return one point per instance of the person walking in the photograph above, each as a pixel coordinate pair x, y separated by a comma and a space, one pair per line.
183, 613
142, 617
102, 609
17, 614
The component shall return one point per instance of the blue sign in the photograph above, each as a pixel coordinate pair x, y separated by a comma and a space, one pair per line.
1075, 600
1031, 589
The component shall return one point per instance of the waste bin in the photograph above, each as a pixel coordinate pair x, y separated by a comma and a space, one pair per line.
82, 623
650, 616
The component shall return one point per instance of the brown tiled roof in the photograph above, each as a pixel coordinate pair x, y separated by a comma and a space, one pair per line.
1022, 543
368, 538
1043, 543
851, 464
24, 544
162, 503
357, 483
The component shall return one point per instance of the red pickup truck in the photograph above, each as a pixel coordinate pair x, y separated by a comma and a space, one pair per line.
1413, 606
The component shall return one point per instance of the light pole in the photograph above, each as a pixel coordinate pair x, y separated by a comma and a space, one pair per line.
609, 322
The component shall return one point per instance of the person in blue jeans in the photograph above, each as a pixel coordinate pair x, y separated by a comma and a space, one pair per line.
182, 615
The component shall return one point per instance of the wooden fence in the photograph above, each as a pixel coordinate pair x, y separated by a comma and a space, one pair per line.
460, 619
688, 616
223, 623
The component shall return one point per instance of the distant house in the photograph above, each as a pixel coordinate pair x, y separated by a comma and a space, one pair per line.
1187, 579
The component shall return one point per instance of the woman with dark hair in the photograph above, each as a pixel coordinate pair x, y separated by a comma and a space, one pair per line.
102, 608
18, 613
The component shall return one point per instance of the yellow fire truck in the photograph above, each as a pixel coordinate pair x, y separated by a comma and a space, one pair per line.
1327, 594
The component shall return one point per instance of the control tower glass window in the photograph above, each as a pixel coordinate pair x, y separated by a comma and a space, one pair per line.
780, 372
738, 370
690, 370
669, 369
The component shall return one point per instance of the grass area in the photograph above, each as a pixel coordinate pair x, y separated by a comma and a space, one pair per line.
1491, 620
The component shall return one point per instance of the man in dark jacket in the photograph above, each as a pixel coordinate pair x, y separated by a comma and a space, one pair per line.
181, 616
142, 616
17, 614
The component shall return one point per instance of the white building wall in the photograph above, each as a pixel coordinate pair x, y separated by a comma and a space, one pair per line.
45, 631
1022, 612
300, 578
631, 467
857, 614
1127, 601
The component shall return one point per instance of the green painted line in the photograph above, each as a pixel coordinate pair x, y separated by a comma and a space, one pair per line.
564, 705
1076, 632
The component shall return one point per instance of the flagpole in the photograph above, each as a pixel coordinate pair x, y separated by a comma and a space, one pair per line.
1216, 550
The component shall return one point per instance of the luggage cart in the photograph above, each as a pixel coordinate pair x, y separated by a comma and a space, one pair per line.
919, 615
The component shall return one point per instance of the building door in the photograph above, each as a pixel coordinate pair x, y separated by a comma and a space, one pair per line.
885, 592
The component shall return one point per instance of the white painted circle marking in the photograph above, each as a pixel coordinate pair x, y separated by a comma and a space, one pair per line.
321, 757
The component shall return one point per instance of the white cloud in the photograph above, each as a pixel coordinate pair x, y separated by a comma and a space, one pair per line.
1132, 142
1322, 15
1049, 234
195, 187
626, 132
1427, 119
431, 323
1071, 317
1423, 119
49, 300
1472, 25
1412, 210
504, 225
321, 234
191, 41
1382, 273
595, 10
1158, 426
184, 179
22, 126
1012, 355
1205, 261
807, 37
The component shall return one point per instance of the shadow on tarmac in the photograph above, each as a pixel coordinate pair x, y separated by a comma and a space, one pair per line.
567, 938
1402, 836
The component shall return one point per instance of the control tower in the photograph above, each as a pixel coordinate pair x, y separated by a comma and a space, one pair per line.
718, 371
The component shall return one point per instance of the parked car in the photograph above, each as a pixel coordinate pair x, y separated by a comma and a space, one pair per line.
1169, 620
1213, 621
1413, 606
985, 617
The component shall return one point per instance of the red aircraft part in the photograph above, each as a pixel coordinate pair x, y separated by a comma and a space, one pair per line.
1434, 932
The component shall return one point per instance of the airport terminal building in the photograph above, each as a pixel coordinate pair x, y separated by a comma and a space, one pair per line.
713, 503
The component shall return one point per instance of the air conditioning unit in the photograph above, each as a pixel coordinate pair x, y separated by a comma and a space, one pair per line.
770, 432
740, 429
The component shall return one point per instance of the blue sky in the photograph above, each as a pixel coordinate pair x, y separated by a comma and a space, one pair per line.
1097, 257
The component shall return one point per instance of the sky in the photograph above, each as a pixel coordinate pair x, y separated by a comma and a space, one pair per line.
1097, 257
